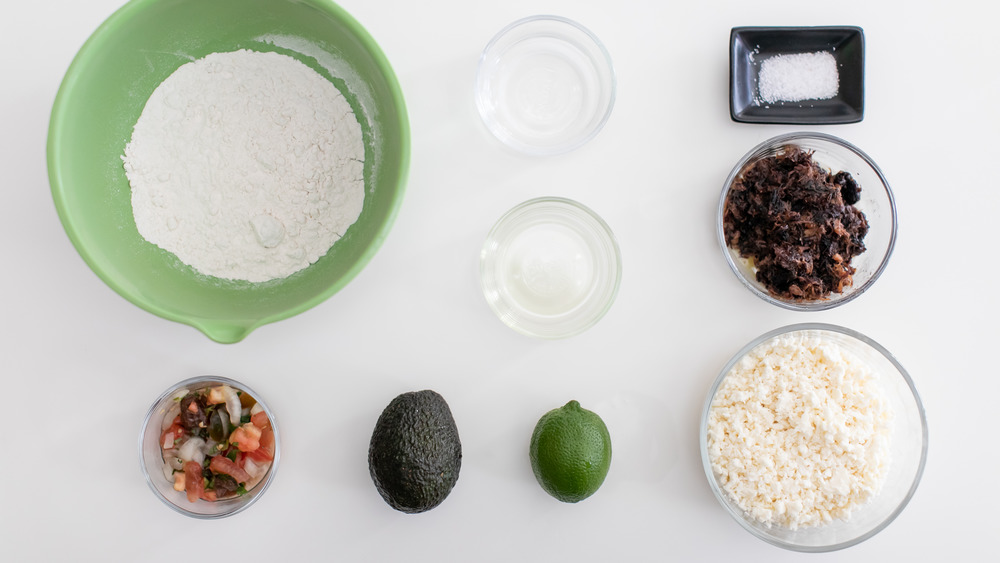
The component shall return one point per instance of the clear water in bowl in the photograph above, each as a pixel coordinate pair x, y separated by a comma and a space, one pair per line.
545, 85
544, 90
548, 269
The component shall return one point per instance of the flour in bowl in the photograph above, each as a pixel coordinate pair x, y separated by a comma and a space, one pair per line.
246, 166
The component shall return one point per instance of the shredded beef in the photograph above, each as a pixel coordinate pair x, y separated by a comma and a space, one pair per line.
797, 223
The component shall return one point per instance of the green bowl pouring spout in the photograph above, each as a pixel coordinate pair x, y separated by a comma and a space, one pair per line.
103, 94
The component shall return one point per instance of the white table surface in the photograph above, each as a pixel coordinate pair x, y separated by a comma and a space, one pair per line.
81, 364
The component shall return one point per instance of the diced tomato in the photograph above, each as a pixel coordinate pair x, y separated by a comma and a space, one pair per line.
259, 455
172, 433
239, 459
246, 437
222, 464
209, 495
193, 483
260, 420
266, 450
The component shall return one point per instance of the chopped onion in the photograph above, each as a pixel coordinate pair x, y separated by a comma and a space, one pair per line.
232, 404
173, 412
171, 459
256, 408
253, 469
192, 450
209, 447
256, 471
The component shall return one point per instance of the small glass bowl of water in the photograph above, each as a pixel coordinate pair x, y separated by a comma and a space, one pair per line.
550, 268
545, 85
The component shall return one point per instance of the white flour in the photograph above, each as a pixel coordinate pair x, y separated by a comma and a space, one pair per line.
246, 166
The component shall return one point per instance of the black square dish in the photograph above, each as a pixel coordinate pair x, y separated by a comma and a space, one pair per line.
750, 46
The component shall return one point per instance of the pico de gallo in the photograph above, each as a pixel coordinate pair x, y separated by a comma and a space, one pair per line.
217, 443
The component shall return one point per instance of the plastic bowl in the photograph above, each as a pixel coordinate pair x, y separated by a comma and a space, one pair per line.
102, 96
151, 458
876, 203
550, 268
545, 85
907, 447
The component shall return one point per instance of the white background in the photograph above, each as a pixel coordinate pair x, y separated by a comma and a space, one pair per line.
81, 365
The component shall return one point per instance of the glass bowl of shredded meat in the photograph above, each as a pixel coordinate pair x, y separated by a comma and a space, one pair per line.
209, 447
807, 221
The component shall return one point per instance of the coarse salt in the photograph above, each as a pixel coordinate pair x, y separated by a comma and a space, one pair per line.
799, 76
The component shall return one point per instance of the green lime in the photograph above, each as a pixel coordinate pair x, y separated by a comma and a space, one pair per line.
570, 452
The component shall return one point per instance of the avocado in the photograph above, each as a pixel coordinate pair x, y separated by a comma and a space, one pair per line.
415, 453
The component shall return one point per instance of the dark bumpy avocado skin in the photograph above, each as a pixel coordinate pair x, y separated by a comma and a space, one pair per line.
415, 453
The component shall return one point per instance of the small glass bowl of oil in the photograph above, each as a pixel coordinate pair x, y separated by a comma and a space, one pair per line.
550, 268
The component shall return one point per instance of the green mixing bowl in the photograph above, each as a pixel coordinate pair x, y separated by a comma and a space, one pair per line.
103, 94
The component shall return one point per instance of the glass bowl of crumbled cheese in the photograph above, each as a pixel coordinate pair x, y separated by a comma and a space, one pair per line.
813, 437
231, 163
806, 221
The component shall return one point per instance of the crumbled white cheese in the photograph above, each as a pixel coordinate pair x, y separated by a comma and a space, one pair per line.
798, 432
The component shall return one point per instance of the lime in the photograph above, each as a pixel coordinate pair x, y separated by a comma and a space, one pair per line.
570, 452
